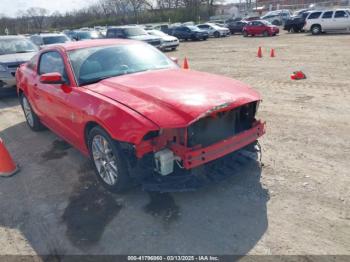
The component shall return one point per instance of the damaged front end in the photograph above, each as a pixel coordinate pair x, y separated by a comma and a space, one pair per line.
216, 133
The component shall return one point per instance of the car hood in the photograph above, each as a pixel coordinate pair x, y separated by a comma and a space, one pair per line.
169, 38
144, 37
175, 97
13, 58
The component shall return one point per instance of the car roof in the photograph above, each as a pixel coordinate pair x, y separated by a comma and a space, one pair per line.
70, 46
12, 37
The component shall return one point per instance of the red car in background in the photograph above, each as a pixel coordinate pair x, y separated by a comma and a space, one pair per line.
127, 105
260, 27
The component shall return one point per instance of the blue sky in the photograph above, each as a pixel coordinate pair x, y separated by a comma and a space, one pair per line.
12, 7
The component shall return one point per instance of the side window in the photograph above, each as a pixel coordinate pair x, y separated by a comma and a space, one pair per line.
340, 14
314, 15
119, 33
111, 33
327, 15
52, 62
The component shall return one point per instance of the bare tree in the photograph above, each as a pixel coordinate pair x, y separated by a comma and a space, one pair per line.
37, 16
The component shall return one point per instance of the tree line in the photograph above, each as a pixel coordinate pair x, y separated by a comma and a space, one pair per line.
109, 12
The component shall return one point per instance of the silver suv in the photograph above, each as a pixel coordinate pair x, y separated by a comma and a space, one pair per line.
14, 51
327, 21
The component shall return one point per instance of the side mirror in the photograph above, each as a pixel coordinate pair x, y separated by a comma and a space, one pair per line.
175, 60
52, 78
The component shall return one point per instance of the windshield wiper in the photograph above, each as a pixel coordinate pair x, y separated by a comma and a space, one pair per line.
96, 80
93, 81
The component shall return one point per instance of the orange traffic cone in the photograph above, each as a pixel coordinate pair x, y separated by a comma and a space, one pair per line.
7, 165
259, 52
186, 66
272, 52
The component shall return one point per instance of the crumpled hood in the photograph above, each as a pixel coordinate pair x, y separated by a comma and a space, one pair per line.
13, 58
175, 97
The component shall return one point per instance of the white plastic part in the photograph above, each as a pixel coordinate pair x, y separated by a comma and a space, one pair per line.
164, 162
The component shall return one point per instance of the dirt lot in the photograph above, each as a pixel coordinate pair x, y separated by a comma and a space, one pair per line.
297, 203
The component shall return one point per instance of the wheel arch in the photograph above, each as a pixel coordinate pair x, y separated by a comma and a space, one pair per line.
313, 25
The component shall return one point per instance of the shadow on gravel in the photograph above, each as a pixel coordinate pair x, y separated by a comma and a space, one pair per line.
58, 150
89, 211
60, 208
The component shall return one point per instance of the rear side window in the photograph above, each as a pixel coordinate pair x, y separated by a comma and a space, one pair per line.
110, 34
314, 15
340, 14
327, 15
115, 33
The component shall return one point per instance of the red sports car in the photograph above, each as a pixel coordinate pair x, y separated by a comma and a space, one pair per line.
260, 27
124, 103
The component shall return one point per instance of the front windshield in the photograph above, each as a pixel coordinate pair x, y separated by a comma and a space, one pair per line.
135, 31
16, 45
49, 40
94, 64
266, 22
84, 35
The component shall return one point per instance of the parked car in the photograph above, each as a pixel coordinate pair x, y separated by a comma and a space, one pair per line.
189, 32
277, 17
134, 33
260, 27
49, 39
237, 26
125, 111
14, 50
214, 30
296, 23
167, 41
328, 21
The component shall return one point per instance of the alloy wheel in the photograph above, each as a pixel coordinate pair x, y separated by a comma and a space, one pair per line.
28, 111
105, 160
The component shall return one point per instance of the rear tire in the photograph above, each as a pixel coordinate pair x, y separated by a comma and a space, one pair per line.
216, 34
32, 119
316, 29
266, 34
245, 33
109, 164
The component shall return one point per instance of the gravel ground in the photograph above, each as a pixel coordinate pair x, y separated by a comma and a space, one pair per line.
295, 203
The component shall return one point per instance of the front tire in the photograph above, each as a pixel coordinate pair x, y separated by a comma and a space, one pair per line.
32, 119
266, 34
217, 34
110, 166
316, 29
